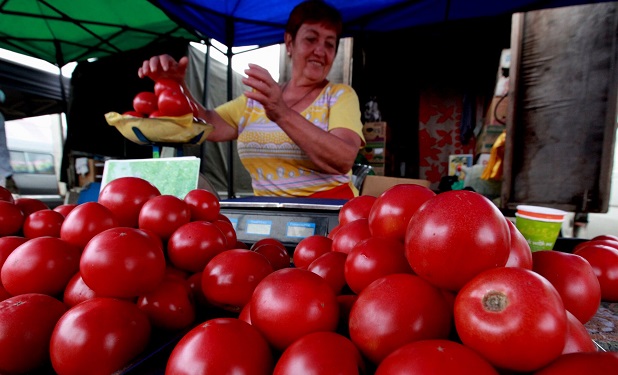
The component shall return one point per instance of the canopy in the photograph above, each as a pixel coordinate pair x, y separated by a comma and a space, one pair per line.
261, 22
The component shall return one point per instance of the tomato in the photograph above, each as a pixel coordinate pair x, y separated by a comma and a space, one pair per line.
309, 249
332, 232
194, 244
373, 258
221, 346
11, 218
174, 273
6, 195
577, 337
582, 363
133, 114
290, 303
195, 285
267, 241
604, 262
610, 237
350, 234
277, 256
229, 279
498, 314
173, 103
64, 209
163, 84
228, 231
8, 244
602, 241
435, 357
85, 221
574, 279
122, 262
520, 254
456, 235
319, 353
163, 214
125, 197
145, 102
98, 336
394, 310
203, 204
155, 114
345, 302
169, 306
392, 210
356, 208
245, 313
43, 223
41, 265
26, 325
30, 205
77, 291
4, 294
331, 267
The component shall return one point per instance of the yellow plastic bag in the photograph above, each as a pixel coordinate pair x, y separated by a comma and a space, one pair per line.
493, 169
145, 131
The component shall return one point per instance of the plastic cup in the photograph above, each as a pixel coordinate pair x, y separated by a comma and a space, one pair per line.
539, 225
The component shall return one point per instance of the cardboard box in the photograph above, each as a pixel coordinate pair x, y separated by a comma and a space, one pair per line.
375, 133
376, 185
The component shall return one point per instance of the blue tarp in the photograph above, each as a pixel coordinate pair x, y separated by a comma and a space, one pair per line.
239, 23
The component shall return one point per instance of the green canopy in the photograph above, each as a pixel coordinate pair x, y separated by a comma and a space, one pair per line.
62, 31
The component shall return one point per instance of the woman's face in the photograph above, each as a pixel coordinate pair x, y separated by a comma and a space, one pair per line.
312, 51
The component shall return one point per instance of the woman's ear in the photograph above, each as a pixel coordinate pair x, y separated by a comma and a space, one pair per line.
287, 38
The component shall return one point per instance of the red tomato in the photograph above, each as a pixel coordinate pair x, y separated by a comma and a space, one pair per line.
245, 313
169, 306
43, 223
602, 241
604, 262
30, 205
125, 197
221, 346
333, 231
577, 337
498, 314
195, 284
582, 363
345, 302
77, 291
267, 241
229, 279
173, 103
111, 333
456, 235
574, 278
41, 265
155, 114
227, 228
277, 256
145, 102
8, 244
393, 209
435, 357
309, 249
164, 214
26, 325
520, 254
64, 209
610, 237
394, 310
6, 195
350, 234
133, 114
163, 84
85, 221
203, 204
4, 294
290, 303
373, 258
318, 353
194, 244
356, 208
11, 218
330, 266
122, 262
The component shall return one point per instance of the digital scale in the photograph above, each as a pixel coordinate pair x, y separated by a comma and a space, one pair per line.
288, 220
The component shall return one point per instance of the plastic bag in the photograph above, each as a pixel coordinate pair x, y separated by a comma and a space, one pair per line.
144, 131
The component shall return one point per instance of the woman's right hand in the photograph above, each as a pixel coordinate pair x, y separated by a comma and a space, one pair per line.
164, 66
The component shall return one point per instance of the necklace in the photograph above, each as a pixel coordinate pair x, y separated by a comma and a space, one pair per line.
299, 100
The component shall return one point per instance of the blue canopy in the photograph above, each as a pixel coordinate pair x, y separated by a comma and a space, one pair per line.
239, 23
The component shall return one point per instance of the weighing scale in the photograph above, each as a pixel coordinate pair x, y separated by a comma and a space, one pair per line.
288, 220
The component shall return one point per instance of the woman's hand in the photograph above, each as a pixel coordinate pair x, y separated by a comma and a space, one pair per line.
266, 91
164, 66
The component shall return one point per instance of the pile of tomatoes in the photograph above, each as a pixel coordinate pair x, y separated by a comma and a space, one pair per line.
168, 99
408, 282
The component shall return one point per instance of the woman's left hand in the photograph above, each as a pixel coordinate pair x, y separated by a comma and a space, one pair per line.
265, 90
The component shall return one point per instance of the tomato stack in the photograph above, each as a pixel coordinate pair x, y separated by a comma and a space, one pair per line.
168, 99
408, 282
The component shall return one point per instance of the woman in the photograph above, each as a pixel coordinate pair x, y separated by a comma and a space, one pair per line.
298, 139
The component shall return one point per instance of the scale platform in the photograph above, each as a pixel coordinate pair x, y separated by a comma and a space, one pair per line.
288, 220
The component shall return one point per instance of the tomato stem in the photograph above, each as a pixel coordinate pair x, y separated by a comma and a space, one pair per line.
495, 301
